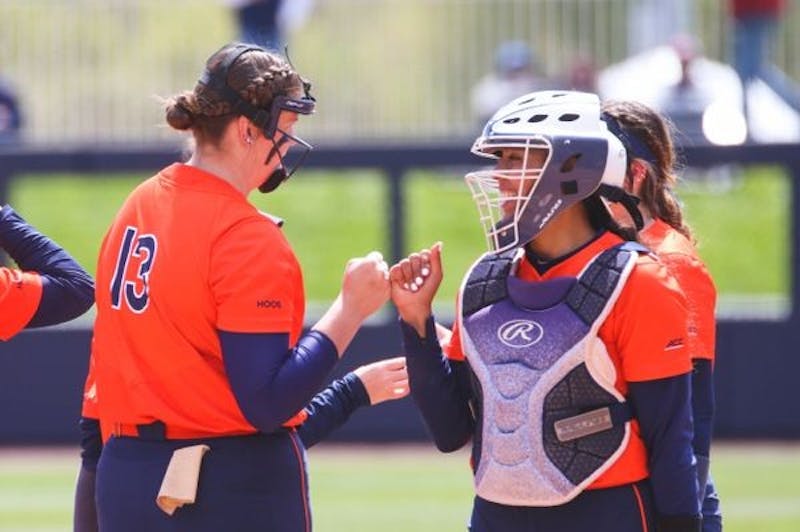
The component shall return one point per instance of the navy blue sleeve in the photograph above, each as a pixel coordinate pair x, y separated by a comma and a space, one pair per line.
702, 406
84, 515
91, 442
271, 382
703, 414
712, 514
441, 393
67, 290
663, 409
331, 408
85, 512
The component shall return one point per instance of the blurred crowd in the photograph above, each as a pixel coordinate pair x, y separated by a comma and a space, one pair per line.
708, 102
746, 99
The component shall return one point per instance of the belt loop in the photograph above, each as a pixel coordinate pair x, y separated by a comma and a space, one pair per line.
156, 430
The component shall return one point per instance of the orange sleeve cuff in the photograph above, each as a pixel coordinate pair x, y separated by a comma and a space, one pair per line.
20, 293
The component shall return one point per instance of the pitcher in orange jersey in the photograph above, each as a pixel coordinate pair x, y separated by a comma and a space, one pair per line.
198, 338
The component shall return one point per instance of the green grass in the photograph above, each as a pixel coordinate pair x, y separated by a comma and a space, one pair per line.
744, 232
401, 488
332, 216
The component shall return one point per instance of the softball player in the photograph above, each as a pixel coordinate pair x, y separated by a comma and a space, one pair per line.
567, 366
198, 338
651, 178
50, 287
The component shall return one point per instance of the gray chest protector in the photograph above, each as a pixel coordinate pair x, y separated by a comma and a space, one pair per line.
552, 420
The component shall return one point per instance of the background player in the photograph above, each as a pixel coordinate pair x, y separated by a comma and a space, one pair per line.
49, 287
651, 178
563, 331
200, 314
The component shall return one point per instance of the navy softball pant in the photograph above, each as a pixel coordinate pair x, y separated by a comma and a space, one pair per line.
627, 508
247, 483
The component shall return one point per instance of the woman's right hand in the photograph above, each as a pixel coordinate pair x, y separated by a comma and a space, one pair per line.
414, 282
384, 380
365, 287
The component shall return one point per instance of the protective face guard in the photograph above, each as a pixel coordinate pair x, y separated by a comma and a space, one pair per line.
501, 227
304, 106
216, 79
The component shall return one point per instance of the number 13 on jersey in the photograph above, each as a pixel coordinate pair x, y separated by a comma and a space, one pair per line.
135, 289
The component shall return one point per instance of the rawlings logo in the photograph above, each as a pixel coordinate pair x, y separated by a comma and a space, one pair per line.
550, 213
520, 333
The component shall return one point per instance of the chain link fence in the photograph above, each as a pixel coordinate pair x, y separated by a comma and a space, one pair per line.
92, 71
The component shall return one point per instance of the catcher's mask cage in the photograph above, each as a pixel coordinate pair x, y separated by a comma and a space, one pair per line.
215, 77
583, 157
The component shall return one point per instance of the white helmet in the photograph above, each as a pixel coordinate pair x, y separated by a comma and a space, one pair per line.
581, 156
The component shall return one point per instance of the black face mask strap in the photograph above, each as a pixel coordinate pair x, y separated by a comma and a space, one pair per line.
280, 174
630, 202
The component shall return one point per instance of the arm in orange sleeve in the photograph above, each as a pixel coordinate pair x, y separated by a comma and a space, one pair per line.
651, 342
701, 299
51, 286
20, 294
649, 325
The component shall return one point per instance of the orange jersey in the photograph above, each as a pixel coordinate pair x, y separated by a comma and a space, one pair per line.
644, 334
681, 259
20, 293
186, 256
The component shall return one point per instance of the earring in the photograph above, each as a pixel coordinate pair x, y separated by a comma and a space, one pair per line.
249, 140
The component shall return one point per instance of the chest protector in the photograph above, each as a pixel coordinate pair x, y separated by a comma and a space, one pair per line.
552, 420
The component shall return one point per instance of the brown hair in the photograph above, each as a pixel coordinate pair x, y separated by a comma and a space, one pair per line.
258, 76
649, 127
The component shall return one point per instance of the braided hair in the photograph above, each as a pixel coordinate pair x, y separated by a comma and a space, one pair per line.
258, 76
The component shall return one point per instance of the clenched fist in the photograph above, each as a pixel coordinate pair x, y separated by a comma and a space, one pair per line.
365, 287
415, 281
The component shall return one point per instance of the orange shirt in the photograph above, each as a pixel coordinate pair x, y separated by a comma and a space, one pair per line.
644, 334
186, 256
680, 257
20, 293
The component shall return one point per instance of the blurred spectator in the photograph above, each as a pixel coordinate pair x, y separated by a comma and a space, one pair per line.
755, 23
258, 22
268, 22
701, 96
10, 117
685, 102
582, 75
516, 72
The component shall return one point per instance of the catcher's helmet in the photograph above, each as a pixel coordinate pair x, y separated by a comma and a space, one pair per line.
581, 156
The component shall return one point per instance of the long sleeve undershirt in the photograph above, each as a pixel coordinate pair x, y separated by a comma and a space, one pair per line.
440, 391
331, 408
270, 381
67, 290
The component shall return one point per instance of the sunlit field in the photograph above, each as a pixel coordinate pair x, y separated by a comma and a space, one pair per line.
332, 216
402, 488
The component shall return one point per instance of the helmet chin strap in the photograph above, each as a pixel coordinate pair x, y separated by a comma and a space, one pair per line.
630, 202
278, 175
